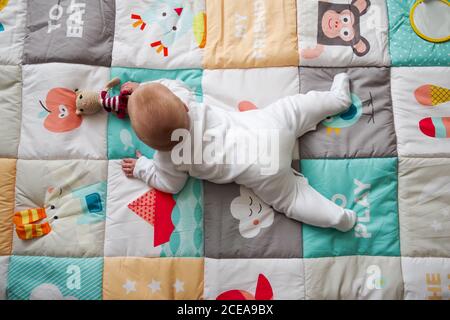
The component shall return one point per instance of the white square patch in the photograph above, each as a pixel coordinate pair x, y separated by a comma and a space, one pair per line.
168, 34
260, 279
426, 278
420, 97
50, 127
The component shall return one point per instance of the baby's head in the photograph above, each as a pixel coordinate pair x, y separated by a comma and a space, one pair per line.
155, 112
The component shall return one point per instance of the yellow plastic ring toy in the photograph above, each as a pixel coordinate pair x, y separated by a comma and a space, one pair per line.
417, 31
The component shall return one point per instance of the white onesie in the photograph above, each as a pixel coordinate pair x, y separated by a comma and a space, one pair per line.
285, 190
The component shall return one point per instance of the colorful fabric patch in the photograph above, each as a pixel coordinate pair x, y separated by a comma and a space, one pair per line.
73, 194
7, 182
231, 232
421, 111
45, 278
66, 205
168, 34
364, 130
426, 278
424, 206
48, 112
12, 31
248, 34
342, 33
122, 140
155, 278
10, 108
351, 278
405, 46
368, 186
254, 279
84, 27
141, 223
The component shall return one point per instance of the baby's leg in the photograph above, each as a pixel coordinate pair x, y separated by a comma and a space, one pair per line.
299, 201
302, 112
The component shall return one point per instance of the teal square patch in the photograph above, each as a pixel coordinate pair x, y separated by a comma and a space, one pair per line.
368, 186
122, 140
46, 278
405, 46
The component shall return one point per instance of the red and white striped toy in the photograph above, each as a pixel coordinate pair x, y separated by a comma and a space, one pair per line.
117, 104
91, 102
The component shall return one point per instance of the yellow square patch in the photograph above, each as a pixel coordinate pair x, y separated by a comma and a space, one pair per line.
7, 183
153, 279
248, 34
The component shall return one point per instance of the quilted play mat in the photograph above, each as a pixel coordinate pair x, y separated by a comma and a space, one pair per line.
72, 226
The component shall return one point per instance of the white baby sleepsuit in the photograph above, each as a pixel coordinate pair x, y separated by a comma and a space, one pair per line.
286, 191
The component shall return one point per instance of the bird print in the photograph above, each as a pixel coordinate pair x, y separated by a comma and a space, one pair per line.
173, 19
345, 119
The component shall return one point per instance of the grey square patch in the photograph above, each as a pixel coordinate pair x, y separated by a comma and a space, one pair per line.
366, 129
239, 225
73, 31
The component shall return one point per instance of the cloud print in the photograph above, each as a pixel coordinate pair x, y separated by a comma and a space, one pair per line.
253, 214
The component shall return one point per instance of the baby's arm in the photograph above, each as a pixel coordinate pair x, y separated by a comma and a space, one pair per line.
158, 173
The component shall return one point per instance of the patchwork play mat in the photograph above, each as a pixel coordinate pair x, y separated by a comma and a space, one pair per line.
72, 226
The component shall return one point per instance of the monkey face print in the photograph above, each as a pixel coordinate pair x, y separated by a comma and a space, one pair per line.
338, 24
355, 29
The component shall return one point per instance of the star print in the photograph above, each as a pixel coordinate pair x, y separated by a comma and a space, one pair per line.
129, 286
437, 226
179, 286
154, 286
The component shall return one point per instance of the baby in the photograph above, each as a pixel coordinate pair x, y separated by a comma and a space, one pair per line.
158, 109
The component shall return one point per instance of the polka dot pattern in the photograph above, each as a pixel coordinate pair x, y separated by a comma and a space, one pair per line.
144, 206
406, 47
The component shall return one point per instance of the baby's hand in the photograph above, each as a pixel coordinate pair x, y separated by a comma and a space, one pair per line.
129, 164
129, 87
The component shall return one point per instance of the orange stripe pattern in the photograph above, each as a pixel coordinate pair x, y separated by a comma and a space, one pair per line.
25, 227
